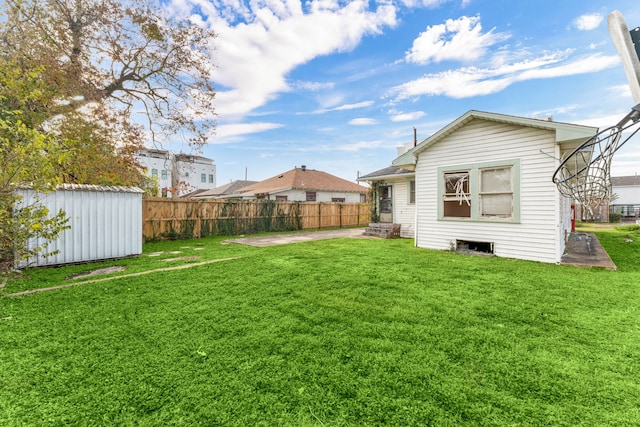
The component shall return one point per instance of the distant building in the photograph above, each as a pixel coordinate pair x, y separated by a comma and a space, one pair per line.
177, 174
193, 173
626, 200
306, 185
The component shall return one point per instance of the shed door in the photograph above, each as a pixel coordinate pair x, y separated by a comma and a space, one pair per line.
386, 204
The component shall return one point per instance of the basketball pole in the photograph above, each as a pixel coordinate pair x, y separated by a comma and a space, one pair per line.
621, 38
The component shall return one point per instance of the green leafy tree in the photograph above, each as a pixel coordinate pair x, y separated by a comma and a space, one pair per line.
28, 159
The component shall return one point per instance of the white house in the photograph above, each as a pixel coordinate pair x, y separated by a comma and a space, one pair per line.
158, 164
483, 183
177, 174
194, 173
626, 190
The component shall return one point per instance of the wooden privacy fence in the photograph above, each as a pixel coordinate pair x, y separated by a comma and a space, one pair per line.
164, 218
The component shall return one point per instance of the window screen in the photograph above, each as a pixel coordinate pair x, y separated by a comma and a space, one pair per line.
496, 193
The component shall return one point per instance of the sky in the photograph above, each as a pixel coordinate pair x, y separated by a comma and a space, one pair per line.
339, 85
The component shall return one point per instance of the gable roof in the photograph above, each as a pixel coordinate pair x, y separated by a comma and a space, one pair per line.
625, 180
303, 179
388, 172
565, 132
229, 188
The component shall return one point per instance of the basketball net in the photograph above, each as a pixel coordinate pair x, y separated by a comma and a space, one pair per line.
585, 174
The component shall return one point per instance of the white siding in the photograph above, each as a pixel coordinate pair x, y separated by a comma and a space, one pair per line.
404, 213
160, 164
627, 195
104, 225
536, 236
190, 172
321, 196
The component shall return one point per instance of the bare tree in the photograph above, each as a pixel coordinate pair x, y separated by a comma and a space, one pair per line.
115, 60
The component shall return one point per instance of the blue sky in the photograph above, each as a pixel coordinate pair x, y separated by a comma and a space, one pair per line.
338, 85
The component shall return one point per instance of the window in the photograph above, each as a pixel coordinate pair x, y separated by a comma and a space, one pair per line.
457, 197
281, 198
154, 172
412, 191
496, 193
210, 178
477, 192
203, 177
363, 198
337, 199
164, 174
311, 196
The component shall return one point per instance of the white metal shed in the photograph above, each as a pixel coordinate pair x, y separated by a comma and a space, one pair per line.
106, 222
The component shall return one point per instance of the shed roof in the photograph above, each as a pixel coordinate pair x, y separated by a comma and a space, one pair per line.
303, 179
99, 188
565, 132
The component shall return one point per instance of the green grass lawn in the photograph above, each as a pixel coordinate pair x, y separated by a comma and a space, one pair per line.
328, 333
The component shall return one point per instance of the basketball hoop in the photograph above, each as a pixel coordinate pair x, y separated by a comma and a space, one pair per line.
585, 174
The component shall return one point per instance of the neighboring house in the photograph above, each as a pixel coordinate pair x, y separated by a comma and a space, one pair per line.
483, 183
194, 173
626, 196
158, 164
224, 190
302, 184
177, 174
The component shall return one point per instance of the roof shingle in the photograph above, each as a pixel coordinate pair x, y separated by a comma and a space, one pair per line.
303, 179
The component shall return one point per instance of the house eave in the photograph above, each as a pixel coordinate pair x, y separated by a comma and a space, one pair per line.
388, 177
566, 133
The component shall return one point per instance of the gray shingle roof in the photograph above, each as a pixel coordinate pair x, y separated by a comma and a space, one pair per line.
625, 180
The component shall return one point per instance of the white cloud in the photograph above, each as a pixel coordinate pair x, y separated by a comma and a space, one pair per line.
621, 90
259, 43
473, 81
459, 39
560, 110
345, 107
362, 121
424, 3
363, 104
313, 86
588, 22
357, 146
602, 122
405, 117
225, 134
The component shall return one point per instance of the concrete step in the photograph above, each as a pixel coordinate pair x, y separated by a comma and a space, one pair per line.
383, 230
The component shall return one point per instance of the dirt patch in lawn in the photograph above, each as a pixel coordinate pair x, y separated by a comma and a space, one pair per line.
184, 258
98, 272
